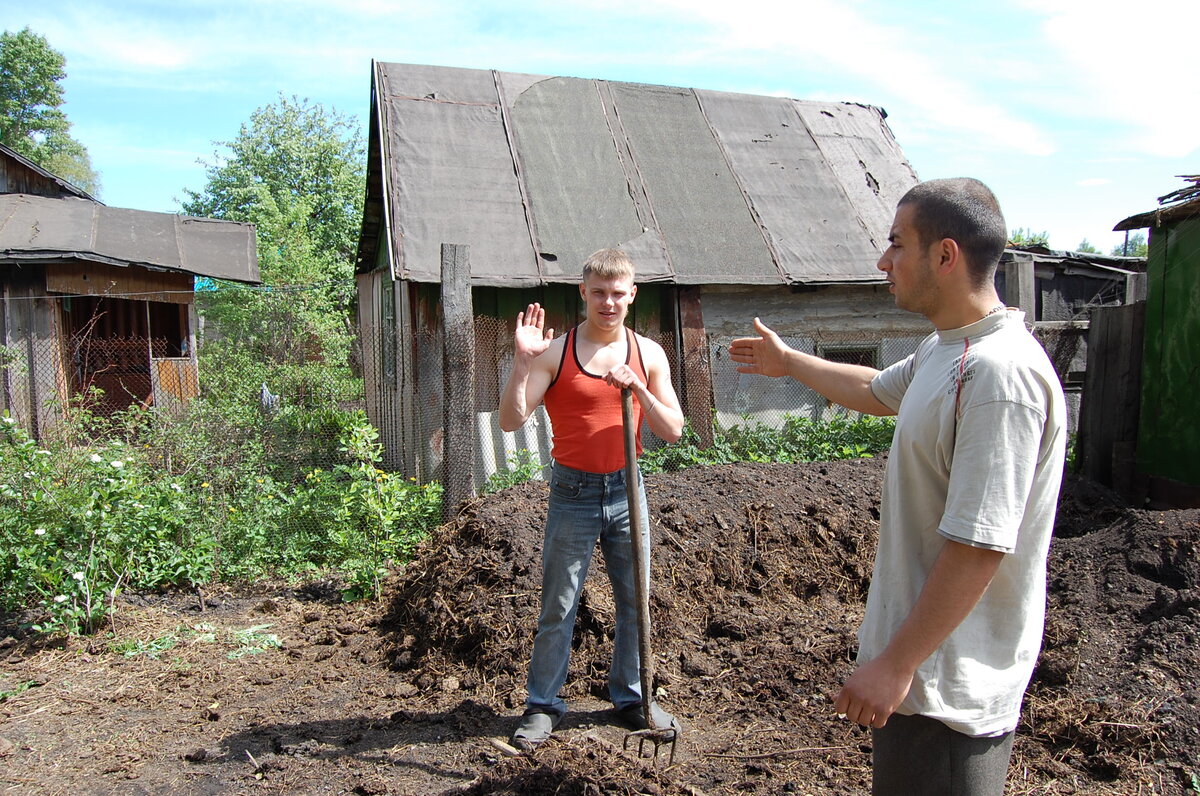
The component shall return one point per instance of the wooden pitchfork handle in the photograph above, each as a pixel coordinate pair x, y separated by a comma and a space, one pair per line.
641, 557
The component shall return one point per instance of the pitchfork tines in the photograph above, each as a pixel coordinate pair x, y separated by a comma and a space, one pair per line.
655, 736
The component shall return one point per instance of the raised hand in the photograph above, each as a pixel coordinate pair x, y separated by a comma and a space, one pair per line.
530, 338
765, 355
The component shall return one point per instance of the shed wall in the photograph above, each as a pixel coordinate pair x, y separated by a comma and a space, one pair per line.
1169, 435
845, 320
32, 373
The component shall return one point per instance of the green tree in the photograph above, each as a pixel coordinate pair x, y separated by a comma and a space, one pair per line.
1085, 247
289, 154
1023, 236
32, 121
298, 172
1135, 245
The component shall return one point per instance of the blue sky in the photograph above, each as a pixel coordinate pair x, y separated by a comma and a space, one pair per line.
1078, 113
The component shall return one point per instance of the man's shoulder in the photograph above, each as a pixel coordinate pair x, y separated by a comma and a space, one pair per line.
550, 358
1016, 367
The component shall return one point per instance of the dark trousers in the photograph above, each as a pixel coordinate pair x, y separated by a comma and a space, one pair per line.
920, 756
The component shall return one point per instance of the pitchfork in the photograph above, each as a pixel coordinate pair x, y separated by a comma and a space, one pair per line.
641, 558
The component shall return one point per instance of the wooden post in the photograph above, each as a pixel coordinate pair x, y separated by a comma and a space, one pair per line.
458, 378
1020, 287
1135, 288
696, 378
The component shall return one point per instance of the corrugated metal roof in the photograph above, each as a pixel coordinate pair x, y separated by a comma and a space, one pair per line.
43, 228
701, 187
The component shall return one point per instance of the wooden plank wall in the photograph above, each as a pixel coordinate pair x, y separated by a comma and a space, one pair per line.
174, 381
1108, 422
35, 382
16, 177
98, 279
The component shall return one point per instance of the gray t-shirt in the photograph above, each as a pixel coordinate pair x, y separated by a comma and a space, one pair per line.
977, 458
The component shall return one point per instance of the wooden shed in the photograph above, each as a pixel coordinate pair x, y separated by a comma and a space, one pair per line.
730, 205
1168, 436
93, 296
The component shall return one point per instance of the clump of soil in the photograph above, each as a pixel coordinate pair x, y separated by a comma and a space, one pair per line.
759, 576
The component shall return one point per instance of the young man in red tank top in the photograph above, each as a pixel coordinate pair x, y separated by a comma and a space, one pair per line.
579, 376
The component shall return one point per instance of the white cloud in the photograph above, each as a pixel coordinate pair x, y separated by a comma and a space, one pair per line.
839, 38
1135, 67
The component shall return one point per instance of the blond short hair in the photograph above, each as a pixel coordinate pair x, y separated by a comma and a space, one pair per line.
608, 264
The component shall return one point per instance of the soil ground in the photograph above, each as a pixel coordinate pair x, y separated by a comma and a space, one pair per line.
759, 573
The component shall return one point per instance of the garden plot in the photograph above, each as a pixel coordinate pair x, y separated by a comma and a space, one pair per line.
759, 576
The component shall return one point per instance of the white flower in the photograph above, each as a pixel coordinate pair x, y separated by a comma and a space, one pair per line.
78, 576
62, 598
43, 453
39, 531
177, 487
10, 420
118, 464
94, 458
88, 513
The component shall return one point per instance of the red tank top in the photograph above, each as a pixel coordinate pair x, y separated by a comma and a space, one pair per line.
585, 412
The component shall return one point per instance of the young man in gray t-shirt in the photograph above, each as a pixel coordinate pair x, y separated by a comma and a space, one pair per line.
955, 610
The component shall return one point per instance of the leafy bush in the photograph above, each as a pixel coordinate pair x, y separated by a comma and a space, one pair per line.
77, 525
798, 440
162, 502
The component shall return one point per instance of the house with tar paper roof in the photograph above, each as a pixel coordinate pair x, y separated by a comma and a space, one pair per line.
730, 205
97, 301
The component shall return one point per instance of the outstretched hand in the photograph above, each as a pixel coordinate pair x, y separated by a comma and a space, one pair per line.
765, 355
530, 339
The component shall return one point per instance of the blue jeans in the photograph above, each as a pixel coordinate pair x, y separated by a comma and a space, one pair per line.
586, 507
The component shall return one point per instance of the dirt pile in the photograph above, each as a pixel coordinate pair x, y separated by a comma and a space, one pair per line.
759, 575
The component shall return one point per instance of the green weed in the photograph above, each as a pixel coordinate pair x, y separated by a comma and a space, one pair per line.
19, 688
523, 466
796, 440
253, 641
131, 648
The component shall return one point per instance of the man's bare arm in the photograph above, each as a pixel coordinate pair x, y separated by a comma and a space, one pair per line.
845, 384
960, 576
660, 404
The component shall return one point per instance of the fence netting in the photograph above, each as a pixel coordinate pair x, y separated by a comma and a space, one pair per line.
236, 405
404, 386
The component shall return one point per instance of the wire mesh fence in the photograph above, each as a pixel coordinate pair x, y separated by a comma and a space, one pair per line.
229, 407
404, 391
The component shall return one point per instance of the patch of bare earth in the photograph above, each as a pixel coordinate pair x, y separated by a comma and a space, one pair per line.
759, 573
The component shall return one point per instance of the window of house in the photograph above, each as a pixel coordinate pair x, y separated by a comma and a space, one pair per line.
850, 354
387, 323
